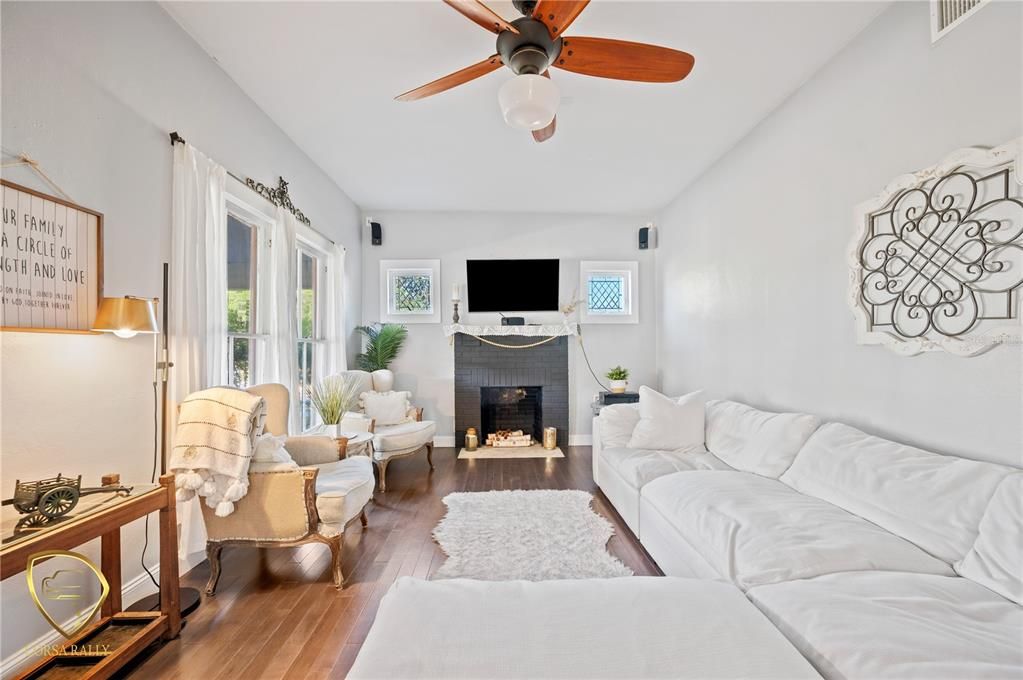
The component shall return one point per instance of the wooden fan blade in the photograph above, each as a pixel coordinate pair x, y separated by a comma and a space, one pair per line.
545, 133
558, 15
623, 60
452, 80
482, 15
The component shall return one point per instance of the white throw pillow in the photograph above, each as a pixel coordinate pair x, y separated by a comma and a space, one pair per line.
996, 559
262, 466
666, 424
270, 449
387, 408
616, 423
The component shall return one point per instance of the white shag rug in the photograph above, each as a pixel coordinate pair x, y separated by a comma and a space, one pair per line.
536, 535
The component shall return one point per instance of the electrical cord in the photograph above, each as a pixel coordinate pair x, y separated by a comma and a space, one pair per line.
152, 480
582, 346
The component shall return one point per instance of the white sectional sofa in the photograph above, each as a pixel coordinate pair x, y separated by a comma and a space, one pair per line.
874, 559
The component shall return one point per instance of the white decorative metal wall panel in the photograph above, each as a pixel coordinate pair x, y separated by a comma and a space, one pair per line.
937, 262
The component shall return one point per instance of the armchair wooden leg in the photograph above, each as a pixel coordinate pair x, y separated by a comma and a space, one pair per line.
335, 561
382, 468
429, 454
213, 555
363, 518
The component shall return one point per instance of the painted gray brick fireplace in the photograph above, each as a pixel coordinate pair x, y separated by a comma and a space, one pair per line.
478, 364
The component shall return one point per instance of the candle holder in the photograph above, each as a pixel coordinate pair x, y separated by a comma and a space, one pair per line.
455, 317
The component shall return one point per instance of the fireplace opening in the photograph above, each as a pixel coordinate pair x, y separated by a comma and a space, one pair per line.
512, 408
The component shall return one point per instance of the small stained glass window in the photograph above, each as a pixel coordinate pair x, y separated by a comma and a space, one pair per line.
607, 293
410, 291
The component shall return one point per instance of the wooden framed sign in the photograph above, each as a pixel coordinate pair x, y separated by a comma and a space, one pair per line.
51, 262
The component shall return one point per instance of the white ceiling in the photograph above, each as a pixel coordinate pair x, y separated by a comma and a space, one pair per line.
327, 74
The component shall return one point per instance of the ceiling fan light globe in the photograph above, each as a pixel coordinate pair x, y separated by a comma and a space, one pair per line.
529, 102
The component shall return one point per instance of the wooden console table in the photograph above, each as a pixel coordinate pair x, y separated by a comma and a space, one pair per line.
125, 634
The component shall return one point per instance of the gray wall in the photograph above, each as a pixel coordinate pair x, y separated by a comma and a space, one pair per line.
426, 366
752, 261
91, 90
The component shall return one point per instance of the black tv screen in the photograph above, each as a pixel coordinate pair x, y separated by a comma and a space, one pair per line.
512, 285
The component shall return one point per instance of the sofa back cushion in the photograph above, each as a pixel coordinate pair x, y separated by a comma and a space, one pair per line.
996, 559
756, 441
932, 500
616, 423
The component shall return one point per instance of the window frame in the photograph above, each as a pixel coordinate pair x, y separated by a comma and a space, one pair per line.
260, 224
389, 268
629, 270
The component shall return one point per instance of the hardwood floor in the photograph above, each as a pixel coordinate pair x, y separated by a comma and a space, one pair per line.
276, 614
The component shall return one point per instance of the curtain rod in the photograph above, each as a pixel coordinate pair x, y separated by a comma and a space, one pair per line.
278, 196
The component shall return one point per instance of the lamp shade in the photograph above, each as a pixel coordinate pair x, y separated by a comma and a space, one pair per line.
126, 316
529, 102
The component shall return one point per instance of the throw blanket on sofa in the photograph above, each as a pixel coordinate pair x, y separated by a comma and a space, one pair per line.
213, 445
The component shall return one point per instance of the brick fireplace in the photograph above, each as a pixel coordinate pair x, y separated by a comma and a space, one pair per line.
524, 386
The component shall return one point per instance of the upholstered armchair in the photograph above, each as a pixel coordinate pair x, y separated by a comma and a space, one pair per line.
285, 508
406, 436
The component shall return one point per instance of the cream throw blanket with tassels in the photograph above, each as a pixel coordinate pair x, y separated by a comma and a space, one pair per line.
215, 439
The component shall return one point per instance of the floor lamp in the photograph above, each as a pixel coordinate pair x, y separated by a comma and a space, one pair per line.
126, 317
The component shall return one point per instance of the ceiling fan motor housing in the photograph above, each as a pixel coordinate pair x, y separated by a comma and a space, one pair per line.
531, 51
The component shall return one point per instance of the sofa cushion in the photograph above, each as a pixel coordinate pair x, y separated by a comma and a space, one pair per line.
394, 439
757, 441
616, 423
892, 625
343, 488
640, 466
996, 559
932, 500
668, 424
756, 530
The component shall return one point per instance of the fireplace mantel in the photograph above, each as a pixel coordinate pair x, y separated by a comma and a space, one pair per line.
536, 331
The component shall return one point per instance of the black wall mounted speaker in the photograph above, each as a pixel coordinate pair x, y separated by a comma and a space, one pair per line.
644, 238
376, 234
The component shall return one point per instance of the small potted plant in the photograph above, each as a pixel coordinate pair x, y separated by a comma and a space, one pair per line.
383, 342
332, 398
619, 378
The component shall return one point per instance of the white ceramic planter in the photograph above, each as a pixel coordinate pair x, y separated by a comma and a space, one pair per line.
619, 386
383, 380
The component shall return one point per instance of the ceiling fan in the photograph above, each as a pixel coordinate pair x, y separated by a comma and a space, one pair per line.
533, 43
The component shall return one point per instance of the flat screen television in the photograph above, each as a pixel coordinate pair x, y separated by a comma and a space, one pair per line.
512, 285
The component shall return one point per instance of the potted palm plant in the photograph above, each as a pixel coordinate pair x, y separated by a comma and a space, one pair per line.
383, 342
619, 378
332, 397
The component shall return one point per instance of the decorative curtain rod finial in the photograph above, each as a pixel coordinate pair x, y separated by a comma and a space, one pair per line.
278, 197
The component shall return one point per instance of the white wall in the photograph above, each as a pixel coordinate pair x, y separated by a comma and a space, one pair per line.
752, 262
426, 365
91, 90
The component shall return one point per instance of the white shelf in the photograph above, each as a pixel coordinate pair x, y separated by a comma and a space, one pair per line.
537, 331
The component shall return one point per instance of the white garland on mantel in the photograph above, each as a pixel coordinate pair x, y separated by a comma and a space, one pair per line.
539, 331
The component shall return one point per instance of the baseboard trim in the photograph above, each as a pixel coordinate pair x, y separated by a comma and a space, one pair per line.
580, 440
444, 441
134, 590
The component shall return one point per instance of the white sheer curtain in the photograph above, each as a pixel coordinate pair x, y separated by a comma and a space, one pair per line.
278, 311
334, 358
198, 299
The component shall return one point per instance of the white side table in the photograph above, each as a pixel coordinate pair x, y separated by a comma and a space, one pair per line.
359, 443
